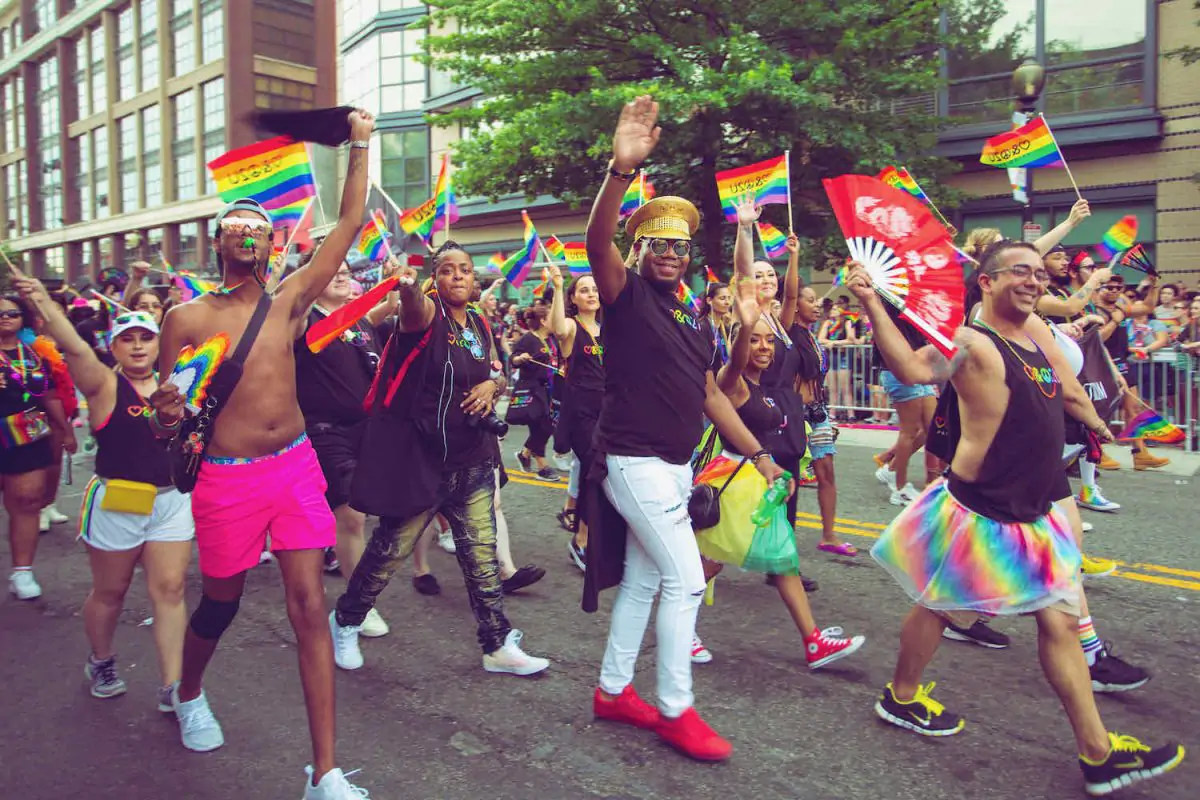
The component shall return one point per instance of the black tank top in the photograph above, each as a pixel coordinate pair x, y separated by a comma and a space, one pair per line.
760, 414
1022, 472
1064, 293
779, 383
585, 370
126, 447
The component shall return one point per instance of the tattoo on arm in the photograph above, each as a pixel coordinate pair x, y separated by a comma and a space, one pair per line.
945, 368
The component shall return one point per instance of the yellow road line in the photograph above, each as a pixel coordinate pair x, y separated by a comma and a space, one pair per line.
870, 530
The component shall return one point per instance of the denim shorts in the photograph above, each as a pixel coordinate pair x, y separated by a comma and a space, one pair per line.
898, 392
819, 451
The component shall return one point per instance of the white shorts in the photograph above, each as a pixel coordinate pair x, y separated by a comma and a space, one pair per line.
170, 521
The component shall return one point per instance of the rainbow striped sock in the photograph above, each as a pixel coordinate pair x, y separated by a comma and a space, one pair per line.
1088, 640
1087, 494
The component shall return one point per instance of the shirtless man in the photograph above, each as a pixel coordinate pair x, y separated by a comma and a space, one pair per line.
991, 539
258, 450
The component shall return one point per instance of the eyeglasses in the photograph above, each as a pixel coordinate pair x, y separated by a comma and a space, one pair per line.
679, 247
1023, 271
11, 313
244, 222
1114, 287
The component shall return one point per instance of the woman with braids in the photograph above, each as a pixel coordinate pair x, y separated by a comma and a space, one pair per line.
574, 316
538, 358
734, 538
33, 433
429, 448
718, 320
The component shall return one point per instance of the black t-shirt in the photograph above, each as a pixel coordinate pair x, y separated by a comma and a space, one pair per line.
1118, 343
656, 360
545, 353
26, 380
585, 373
332, 384
911, 335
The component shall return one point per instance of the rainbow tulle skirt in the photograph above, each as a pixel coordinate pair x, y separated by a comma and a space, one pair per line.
735, 540
948, 558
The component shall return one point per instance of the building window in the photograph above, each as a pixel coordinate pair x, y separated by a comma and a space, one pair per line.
401, 76
127, 147
100, 173
6, 116
82, 95
285, 30
183, 37
54, 261
50, 181
83, 178
356, 13
43, 13
404, 161
99, 85
17, 103
212, 30
152, 155
148, 15
282, 93
125, 67
1089, 67
360, 75
189, 243
214, 126
184, 145
12, 188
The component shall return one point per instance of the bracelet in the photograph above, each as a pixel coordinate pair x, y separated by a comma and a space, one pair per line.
760, 454
613, 172
359, 144
160, 427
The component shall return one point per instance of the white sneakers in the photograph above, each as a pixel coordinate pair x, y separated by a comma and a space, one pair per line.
902, 497
700, 653
198, 728
23, 585
512, 659
446, 541
50, 516
345, 644
374, 626
333, 786
886, 477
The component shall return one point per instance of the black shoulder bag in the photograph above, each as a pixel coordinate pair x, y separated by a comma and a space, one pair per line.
186, 450
704, 504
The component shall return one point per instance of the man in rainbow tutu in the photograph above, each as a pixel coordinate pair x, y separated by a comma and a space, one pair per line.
990, 539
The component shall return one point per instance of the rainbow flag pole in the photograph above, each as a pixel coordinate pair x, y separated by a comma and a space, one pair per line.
1066, 166
787, 162
904, 172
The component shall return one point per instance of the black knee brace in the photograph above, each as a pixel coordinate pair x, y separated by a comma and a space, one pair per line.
212, 617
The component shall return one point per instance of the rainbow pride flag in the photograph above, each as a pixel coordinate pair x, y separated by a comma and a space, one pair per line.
1119, 237
1031, 145
276, 173
840, 278
766, 180
516, 268
1149, 425
191, 287
774, 241
555, 248
901, 179
640, 190
371, 241
445, 205
577, 259
710, 276
684, 295
496, 262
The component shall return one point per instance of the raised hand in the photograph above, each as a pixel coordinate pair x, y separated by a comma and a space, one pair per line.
1079, 212
362, 124
859, 282
32, 290
636, 135
556, 278
793, 243
746, 307
748, 209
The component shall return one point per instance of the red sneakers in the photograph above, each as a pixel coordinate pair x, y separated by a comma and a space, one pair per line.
825, 647
627, 708
691, 736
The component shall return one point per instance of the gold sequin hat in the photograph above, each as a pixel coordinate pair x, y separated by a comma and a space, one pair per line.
664, 218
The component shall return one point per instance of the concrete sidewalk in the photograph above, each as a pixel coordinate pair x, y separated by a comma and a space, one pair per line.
1183, 465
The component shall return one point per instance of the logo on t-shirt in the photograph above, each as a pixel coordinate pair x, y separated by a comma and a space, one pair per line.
684, 318
596, 350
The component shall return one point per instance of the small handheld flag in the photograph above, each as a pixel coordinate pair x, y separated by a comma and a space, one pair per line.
1031, 145
555, 248
191, 287
1137, 258
277, 173
576, 256
710, 276
774, 241
766, 180
195, 367
640, 190
1119, 237
684, 295
496, 262
371, 241
323, 333
445, 205
516, 268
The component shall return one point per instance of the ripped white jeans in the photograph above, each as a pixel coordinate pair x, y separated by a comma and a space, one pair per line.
660, 552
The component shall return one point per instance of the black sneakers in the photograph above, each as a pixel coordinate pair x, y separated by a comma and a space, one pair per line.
922, 714
1128, 762
980, 633
1111, 674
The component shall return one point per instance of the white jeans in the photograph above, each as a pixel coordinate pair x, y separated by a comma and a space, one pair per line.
661, 552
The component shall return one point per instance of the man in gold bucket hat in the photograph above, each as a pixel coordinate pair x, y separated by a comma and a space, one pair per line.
658, 389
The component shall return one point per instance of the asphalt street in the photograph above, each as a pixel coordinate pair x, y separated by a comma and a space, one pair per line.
423, 720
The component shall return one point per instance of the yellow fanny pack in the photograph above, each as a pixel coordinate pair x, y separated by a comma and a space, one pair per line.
129, 497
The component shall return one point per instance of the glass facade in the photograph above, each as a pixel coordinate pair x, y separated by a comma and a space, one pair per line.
382, 72
125, 60
43, 13
50, 183
83, 93
212, 30
213, 94
184, 145
183, 37
404, 163
99, 84
127, 147
152, 156
148, 43
83, 178
100, 173
1094, 52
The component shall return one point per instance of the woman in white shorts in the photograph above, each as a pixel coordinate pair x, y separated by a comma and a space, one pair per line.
131, 512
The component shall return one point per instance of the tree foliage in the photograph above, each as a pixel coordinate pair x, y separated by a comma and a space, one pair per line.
1188, 54
737, 82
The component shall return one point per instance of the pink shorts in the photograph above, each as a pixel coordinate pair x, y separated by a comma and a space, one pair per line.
237, 502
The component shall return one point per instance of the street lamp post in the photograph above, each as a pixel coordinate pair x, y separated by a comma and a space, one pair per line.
1028, 80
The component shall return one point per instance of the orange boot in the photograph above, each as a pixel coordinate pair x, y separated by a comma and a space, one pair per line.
1107, 461
1144, 459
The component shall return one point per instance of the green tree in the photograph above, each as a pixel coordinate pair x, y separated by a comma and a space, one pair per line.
737, 82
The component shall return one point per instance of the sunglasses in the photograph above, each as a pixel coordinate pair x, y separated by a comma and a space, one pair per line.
125, 319
245, 222
10, 314
679, 247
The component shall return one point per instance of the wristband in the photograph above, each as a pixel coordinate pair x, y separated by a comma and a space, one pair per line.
159, 427
760, 454
359, 144
613, 172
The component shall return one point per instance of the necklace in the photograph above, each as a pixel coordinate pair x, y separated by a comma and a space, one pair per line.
778, 330
1033, 373
19, 371
822, 353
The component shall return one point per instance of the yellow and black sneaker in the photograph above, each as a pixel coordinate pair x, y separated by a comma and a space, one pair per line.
1128, 762
922, 714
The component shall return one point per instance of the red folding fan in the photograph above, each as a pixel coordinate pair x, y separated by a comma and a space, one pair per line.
907, 253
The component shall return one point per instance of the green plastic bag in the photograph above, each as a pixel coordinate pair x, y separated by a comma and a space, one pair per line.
773, 548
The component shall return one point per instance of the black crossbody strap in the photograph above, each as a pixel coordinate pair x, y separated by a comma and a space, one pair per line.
252, 329
732, 475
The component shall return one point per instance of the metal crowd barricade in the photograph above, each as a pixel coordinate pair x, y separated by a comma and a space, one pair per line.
1169, 383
